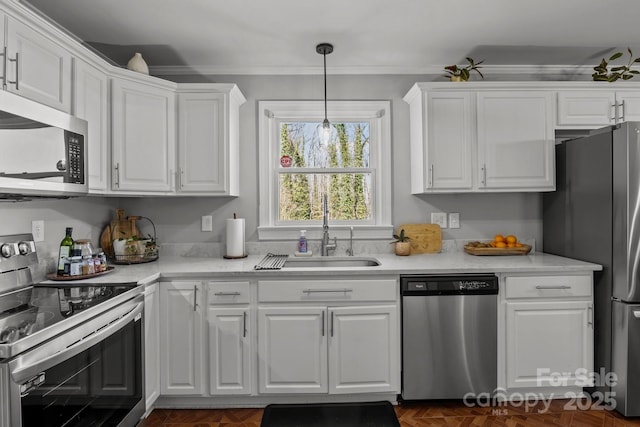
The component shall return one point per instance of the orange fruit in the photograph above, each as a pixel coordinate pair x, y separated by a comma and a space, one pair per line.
501, 245
511, 238
498, 238
511, 245
518, 245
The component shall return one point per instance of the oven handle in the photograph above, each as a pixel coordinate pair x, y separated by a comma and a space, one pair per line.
54, 352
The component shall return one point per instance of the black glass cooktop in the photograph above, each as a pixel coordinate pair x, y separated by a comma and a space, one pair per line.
27, 311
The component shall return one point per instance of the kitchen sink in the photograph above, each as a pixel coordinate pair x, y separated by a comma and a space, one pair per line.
331, 262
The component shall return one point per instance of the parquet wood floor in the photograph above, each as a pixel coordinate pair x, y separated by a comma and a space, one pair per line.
427, 413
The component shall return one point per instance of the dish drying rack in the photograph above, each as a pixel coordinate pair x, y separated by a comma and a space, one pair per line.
271, 262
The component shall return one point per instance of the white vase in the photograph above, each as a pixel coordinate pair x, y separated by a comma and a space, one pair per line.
137, 63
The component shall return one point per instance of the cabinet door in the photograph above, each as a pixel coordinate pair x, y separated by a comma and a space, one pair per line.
152, 344
91, 104
450, 137
229, 350
548, 343
292, 350
181, 349
516, 141
628, 106
202, 149
143, 137
37, 68
584, 108
364, 349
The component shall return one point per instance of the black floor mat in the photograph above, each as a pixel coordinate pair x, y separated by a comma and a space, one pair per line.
369, 414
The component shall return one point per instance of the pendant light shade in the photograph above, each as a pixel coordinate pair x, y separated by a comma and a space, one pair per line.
325, 49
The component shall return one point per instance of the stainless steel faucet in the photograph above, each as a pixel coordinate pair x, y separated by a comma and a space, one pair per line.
326, 246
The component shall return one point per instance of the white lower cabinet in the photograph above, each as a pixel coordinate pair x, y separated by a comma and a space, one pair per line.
182, 339
229, 318
151, 344
326, 339
548, 330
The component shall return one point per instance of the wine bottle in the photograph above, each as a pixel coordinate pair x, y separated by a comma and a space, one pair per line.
64, 253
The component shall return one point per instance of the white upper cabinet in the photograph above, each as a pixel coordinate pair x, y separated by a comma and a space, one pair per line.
36, 67
476, 138
516, 140
91, 103
590, 106
208, 152
143, 136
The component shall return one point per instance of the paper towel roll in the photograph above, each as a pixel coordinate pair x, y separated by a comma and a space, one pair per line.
235, 237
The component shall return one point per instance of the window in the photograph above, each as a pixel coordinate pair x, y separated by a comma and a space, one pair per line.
297, 169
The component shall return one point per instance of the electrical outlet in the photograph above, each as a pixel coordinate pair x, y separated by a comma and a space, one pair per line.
454, 220
439, 218
37, 229
207, 223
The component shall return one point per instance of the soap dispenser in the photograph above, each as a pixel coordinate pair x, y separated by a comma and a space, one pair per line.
302, 242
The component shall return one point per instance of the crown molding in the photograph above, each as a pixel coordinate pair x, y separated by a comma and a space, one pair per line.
373, 70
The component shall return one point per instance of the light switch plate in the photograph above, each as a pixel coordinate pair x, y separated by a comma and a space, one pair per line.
454, 220
207, 223
439, 218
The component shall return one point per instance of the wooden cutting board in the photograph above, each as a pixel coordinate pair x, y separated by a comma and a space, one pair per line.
121, 227
425, 238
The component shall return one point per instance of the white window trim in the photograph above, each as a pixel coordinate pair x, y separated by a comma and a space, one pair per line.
270, 111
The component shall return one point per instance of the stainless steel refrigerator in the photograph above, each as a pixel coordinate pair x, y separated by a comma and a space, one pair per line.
594, 215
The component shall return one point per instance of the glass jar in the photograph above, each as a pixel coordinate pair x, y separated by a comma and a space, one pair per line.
75, 266
86, 248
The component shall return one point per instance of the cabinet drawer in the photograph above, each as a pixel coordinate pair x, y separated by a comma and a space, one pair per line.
228, 292
327, 290
548, 286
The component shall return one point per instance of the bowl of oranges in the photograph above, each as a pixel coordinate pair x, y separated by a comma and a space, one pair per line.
500, 245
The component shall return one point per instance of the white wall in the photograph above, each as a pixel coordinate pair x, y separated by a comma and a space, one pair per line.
178, 219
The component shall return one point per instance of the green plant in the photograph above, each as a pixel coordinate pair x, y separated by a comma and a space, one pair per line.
401, 237
463, 72
624, 72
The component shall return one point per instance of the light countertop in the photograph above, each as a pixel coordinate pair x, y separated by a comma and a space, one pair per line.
441, 263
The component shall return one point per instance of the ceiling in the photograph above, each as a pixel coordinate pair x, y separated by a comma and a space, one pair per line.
369, 36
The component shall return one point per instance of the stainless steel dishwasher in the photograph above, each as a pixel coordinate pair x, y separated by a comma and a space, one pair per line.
449, 336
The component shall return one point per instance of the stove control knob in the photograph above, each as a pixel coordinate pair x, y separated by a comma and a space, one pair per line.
24, 248
6, 250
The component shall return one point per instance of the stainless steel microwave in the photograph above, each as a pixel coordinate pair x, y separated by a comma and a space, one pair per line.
43, 151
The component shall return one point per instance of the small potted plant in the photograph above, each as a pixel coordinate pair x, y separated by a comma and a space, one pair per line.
462, 73
402, 244
624, 72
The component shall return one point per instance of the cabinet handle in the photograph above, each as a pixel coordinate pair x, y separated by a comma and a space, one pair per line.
195, 297
332, 316
614, 108
4, 67
431, 176
227, 294
590, 316
311, 291
622, 109
117, 169
181, 178
322, 328
484, 174
546, 288
244, 326
15, 82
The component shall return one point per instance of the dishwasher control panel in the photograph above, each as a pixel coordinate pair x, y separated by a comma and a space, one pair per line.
449, 285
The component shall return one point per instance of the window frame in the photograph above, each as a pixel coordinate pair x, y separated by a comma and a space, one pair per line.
271, 113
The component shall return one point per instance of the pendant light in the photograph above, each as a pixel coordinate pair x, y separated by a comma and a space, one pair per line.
325, 49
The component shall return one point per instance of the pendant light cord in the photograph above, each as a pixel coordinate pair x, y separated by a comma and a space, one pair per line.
324, 55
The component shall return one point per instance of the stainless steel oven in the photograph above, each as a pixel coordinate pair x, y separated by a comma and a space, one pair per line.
71, 355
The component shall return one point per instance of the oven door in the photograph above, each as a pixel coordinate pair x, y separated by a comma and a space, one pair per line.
91, 375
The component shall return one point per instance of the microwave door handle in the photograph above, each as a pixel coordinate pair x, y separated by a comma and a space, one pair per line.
31, 363
33, 175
